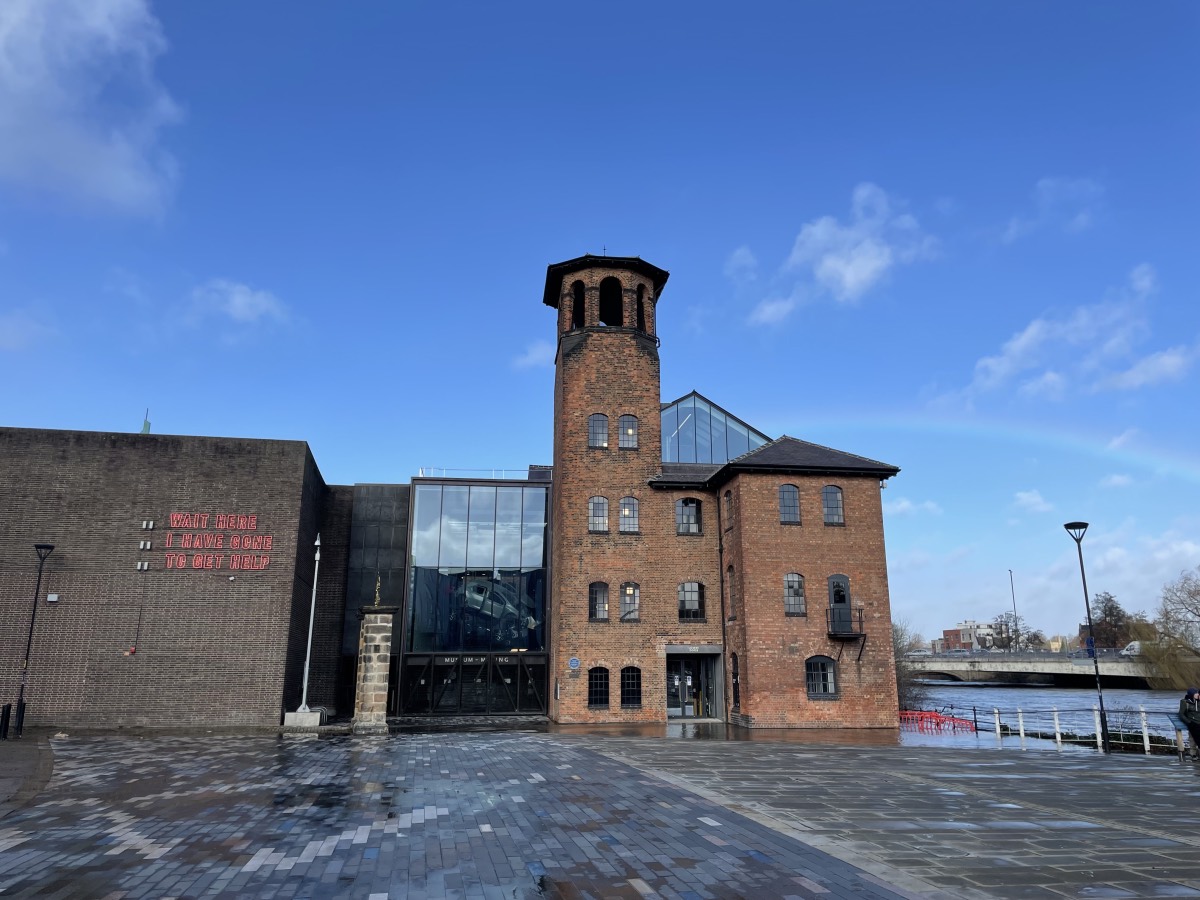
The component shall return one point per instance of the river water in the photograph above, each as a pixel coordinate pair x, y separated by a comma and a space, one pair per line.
977, 701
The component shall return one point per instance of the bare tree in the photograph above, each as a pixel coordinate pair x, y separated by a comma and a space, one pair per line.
1172, 643
904, 640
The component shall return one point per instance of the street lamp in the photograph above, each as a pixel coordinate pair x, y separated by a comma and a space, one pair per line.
312, 612
1077, 530
1012, 645
42, 550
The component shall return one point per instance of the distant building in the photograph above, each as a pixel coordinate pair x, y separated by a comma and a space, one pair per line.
674, 562
969, 635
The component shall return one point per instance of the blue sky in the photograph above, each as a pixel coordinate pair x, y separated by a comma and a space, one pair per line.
958, 238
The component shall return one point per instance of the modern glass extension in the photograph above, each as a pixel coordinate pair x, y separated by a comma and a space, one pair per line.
697, 431
475, 617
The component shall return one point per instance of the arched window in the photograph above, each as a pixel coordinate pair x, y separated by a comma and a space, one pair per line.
736, 679
598, 687
627, 436
731, 586
598, 514
631, 686
577, 305
687, 516
627, 518
691, 601
831, 503
598, 601
728, 509
789, 504
794, 603
598, 430
610, 303
839, 605
641, 307
820, 678
631, 602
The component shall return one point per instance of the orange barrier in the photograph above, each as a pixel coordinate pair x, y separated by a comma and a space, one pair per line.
920, 720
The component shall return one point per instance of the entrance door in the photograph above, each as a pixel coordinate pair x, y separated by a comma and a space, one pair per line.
688, 687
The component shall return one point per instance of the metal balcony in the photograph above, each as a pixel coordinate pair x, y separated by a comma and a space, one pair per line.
844, 624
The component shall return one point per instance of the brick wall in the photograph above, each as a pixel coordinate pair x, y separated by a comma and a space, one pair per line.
772, 648
212, 644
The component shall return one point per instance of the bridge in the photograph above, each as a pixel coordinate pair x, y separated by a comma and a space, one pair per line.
1034, 668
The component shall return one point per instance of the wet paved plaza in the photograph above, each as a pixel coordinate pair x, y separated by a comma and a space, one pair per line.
523, 815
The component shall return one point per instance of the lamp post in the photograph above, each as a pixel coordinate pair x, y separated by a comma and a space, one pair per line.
42, 550
1077, 530
312, 612
1012, 644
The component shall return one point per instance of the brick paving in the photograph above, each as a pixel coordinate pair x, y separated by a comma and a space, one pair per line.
595, 815
497, 815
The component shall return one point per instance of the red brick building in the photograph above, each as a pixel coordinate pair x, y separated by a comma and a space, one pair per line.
673, 562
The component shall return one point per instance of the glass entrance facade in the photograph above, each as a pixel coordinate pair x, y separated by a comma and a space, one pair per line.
475, 617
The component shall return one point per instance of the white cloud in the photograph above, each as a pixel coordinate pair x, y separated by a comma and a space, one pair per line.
1165, 365
1049, 384
902, 506
18, 330
770, 312
1031, 501
1066, 204
81, 109
536, 355
847, 260
1115, 480
240, 303
741, 265
1122, 439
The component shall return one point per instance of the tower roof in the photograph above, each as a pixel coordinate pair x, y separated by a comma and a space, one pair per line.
556, 273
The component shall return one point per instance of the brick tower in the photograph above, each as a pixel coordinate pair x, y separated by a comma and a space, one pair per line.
608, 610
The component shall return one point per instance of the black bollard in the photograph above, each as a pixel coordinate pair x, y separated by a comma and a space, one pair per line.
5, 715
18, 727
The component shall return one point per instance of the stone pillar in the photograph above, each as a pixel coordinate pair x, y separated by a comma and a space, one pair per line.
374, 660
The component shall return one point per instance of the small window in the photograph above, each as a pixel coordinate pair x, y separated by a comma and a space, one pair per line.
820, 678
598, 601
728, 509
731, 585
794, 603
831, 503
598, 514
641, 307
789, 504
691, 601
611, 303
628, 514
627, 426
577, 305
687, 516
736, 679
631, 686
598, 687
598, 430
631, 602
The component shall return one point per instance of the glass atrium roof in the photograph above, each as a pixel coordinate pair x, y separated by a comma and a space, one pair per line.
697, 431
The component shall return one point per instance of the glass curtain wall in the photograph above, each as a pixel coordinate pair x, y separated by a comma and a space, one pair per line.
696, 431
478, 576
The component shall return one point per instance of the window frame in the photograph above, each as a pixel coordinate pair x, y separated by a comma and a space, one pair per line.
631, 687
631, 610
593, 504
594, 421
789, 508
820, 672
685, 524
594, 601
599, 679
731, 588
793, 599
834, 517
624, 441
693, 590
628, 516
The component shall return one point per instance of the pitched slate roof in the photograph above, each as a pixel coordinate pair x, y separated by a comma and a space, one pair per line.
784, 455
